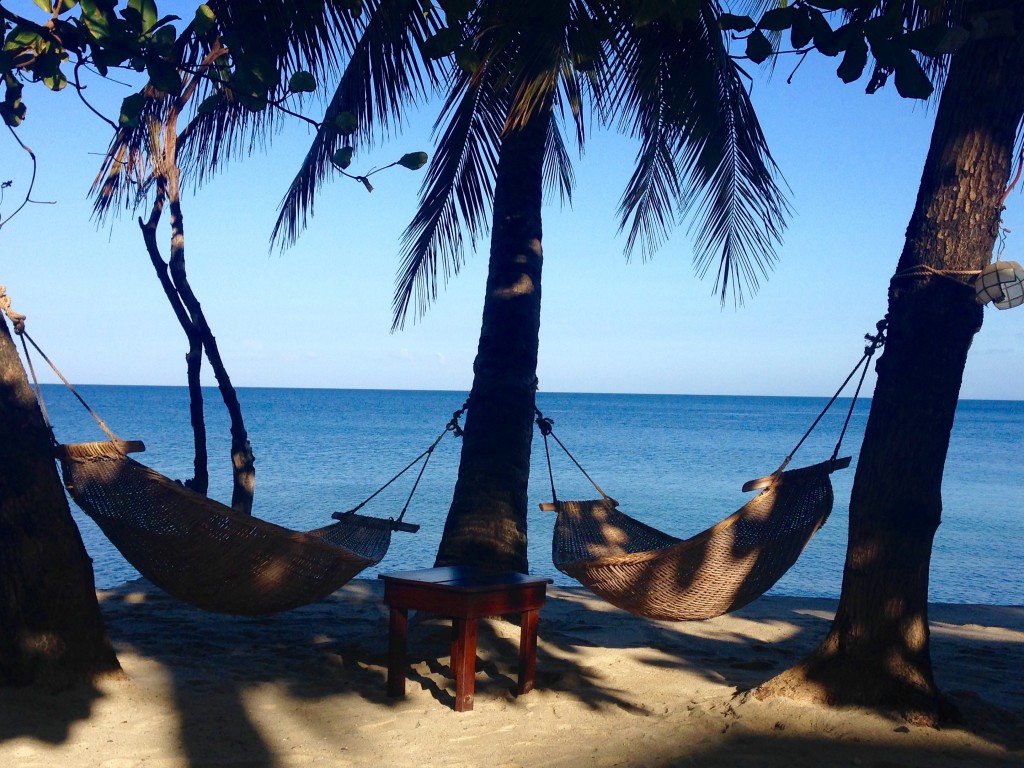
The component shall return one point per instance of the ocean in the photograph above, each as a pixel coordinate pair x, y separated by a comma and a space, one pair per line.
677, 462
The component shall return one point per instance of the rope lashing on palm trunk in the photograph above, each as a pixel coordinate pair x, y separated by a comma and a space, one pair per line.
201, 551
656, 575
961, 276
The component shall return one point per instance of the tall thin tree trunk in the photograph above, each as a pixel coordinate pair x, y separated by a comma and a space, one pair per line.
200, 481
51, 629
877, 651
486, 524
243, 461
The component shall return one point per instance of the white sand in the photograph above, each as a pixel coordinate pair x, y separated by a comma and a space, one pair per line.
308, 688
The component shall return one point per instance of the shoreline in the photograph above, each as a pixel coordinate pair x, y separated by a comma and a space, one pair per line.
308, 688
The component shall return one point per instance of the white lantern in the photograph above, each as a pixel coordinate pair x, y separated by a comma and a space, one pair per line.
1001, 282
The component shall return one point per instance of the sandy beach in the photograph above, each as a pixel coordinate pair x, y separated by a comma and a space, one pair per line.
308, 688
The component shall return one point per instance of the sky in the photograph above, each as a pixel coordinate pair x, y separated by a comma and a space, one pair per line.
318, 314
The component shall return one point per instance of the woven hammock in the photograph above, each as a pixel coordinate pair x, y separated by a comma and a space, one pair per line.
204, 553
652, 574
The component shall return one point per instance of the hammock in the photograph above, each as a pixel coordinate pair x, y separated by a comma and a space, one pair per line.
652, 574
203, 552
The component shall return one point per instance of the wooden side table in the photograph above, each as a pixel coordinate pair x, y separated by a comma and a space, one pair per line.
463, 594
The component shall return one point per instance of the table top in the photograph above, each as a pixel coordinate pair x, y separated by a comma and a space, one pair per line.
464, 578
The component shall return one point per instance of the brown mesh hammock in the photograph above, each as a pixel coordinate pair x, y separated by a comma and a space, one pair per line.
655, 575
205, 553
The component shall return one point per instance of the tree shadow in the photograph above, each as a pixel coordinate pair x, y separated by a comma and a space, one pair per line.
231, 677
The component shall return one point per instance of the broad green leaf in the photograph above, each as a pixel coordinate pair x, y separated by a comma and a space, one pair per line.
777, 19
413, 160
204, 19
210, 103
164, 39
97, 22
854, 61
131, 110
259, 68
22, 38
44, 5
345, 123
12, 109
802, 31
13, 113
824, 37
729, 22
163, 75
442, 44
55, 81
147, 10
467, 59
936, 40
343, 157
911, 80
759, 47
133, 19
302, 82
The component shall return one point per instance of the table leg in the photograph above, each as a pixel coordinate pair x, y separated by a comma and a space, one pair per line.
398, 629
464, 662
527, 650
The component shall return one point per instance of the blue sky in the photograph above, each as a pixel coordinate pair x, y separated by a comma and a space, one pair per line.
318, 315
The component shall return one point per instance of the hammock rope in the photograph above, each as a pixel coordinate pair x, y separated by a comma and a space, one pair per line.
656, 575
452, 426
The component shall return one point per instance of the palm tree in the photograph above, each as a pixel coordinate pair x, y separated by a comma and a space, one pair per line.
512, 75
877, 650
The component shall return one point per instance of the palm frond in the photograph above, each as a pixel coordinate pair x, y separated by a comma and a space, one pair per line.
682, 95
558, 172
456, 193
384, 74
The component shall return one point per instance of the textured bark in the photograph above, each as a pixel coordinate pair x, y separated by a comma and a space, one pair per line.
200, 481
174, 279
877, 651
486, 525
51, 630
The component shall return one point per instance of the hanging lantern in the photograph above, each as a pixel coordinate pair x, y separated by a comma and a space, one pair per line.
1001, 282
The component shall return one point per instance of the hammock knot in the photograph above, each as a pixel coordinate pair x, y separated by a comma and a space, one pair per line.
878, 339
17, 319
453, 426
544, 424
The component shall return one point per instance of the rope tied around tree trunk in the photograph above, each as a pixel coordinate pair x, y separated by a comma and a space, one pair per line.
17, 319
923, 270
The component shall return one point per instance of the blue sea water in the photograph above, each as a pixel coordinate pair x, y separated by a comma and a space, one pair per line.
675, 462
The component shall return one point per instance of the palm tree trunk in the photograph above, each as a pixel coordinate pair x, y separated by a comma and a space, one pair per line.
877, 651
486, 525
51, 630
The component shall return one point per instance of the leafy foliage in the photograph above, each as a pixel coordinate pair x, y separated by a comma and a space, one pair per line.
909, 39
